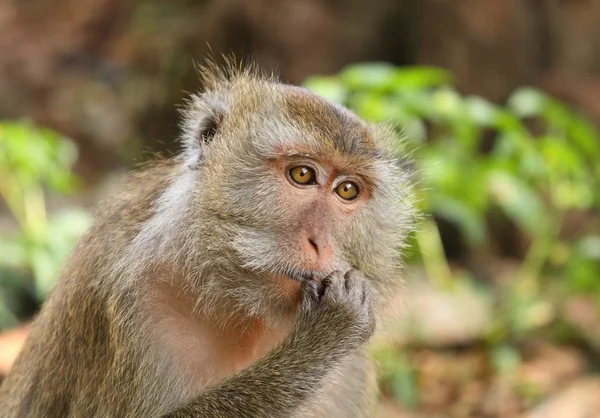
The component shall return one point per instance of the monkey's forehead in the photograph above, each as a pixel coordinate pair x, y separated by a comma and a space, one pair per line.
291, 118
331, 125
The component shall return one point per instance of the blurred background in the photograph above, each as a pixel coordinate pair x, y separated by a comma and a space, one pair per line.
497, 99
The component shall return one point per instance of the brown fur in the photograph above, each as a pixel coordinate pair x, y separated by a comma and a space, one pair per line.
203, 288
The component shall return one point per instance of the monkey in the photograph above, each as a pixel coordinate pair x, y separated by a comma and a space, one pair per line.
242, 277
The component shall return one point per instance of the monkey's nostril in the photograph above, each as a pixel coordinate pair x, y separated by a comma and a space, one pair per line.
316, 248
314, 245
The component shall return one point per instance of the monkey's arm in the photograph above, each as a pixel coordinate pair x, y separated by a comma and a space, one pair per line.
327, 331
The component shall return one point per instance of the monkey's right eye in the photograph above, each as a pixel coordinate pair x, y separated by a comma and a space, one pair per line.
303, 175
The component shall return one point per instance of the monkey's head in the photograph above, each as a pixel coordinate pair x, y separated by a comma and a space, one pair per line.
287, 187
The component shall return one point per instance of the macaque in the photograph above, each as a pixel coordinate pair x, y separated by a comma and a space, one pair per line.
240, 278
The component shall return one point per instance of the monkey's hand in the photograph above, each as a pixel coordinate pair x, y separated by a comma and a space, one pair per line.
334, 321
339, 313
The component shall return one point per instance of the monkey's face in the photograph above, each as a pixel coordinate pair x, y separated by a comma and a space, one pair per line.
301, 187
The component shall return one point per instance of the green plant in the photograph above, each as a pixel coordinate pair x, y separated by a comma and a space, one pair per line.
533, 159
33, 163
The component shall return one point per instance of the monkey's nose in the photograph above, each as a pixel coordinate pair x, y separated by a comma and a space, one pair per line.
317, 248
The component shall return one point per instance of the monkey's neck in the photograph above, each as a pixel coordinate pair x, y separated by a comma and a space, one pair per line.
207, 349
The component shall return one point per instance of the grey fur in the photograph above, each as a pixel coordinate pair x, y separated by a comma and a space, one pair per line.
207, 224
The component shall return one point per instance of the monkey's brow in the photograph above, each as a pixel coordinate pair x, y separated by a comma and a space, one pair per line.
299, 154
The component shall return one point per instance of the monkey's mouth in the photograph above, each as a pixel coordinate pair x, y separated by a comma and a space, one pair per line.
295, 274
302, 275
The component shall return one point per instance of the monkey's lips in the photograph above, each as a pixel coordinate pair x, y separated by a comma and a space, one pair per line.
301, 276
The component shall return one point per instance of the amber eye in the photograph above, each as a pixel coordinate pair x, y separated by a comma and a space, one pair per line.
347, 190
303, 175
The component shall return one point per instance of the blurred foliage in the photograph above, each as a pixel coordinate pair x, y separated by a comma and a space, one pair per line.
533, 160
33, 163
534, 176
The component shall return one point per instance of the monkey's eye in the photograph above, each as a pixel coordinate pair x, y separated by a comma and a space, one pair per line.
347, 190
303, 175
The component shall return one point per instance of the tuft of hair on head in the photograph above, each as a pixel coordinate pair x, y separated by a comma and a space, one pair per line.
215, 73
204, 112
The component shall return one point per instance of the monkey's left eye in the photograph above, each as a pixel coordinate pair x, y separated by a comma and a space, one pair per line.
347, 190
303, 175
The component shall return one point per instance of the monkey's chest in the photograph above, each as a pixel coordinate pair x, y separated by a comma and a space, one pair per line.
209, 357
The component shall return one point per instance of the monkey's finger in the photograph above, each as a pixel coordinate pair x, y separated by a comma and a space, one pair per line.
371, 321
367, 308
310, 293
333, 286
354, 284
366, 295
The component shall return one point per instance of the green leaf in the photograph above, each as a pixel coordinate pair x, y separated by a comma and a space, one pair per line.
62, 182
378, 76
66, 151
414, 129
589, 246
420, 77
45, 270
557, 117
12, 252
505, 359
370, 106
8, 319
527, 102
66, 227
572, 185
418, 103
448, 104
568, 194
369, 76
482, 112
390, 110
330, 88
583, 267
397, 370
519, 202
585, 136
561, 156
15, 293
404, 388
510, 125
470, 222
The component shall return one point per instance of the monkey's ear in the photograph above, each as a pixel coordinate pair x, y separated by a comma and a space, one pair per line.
202, 121
208, 127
